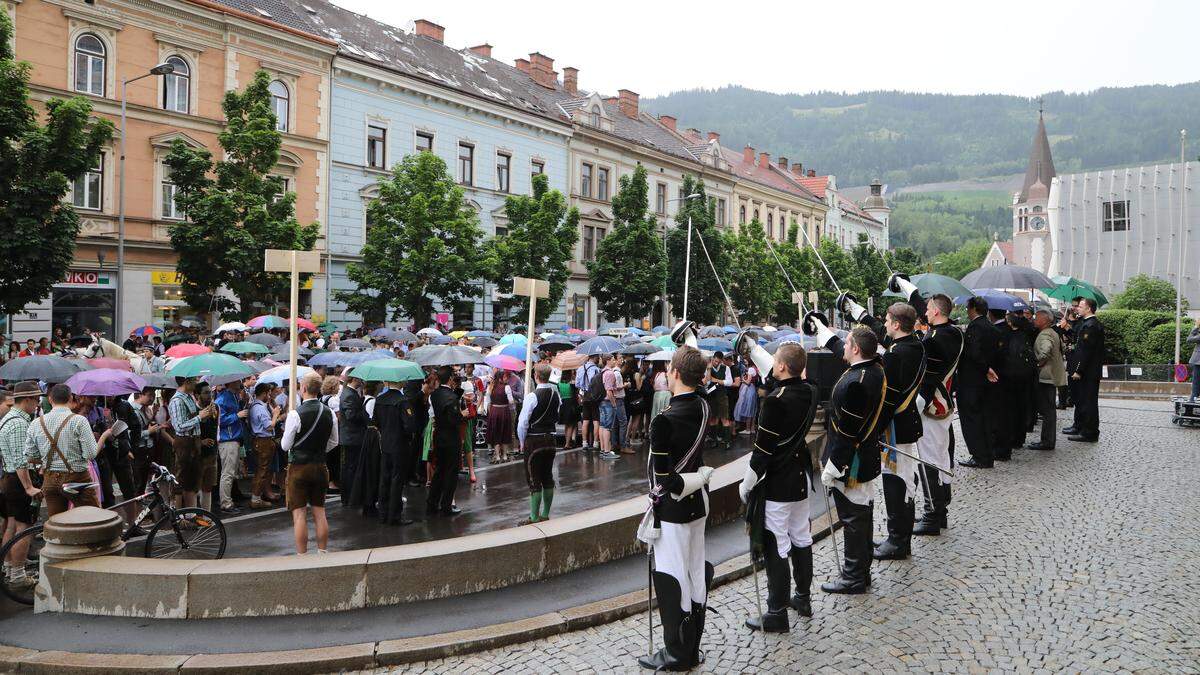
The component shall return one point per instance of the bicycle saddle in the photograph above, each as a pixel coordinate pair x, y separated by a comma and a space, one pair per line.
73, 488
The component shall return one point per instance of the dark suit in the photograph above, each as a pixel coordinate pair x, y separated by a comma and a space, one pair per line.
446, 448
352, 428
1089, 360
972, 388
392, 411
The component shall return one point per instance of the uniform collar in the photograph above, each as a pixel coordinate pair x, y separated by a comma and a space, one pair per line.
684, 396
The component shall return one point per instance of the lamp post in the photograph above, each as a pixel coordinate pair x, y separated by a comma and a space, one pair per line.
160, 69
1182, 239
687, 264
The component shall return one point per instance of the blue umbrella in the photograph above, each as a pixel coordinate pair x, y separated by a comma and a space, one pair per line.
327, 359
513, 339
659, 330
996, 299
716, 345
599, 345
357, 358
729, 328
441, 340
479, 333
712, 331
514, 350
637, 331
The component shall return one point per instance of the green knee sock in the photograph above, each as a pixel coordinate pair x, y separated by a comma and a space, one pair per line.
535, 506
547, 499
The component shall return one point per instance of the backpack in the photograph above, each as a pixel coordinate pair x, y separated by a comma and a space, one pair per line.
593, 389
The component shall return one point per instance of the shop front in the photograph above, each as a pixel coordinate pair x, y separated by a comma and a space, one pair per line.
86, 299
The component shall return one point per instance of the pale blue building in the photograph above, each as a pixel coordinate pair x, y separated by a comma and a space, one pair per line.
397, 92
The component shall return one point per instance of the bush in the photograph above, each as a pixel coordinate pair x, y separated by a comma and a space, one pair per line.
1158, 346
1127, 334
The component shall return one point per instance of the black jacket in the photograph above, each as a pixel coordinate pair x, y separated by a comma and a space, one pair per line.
352, 418
1089, 349
780, 457
447, 418
855, 407
392, 409
904, 363
672, 434
977, 356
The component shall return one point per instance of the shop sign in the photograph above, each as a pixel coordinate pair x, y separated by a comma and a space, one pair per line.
85, 278
166, 278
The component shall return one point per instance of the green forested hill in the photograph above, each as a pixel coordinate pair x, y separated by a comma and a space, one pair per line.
932, 223
908, 138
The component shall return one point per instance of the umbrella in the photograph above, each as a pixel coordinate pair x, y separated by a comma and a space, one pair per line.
445, 355
187, 349
930, 284
660, 356
480, 333
636, 331
105, 382
997, 299
769, 329
244, 348
664, 343
1068, 288
304, 324
202, 365
599, 345
110, 364
729, 328
285, 357
326, 327
640, 349
716, 345
574, 331
630, 339
805, 341
189, 322
354, 343
280, 374
485, 341
52, 368
358, 358
505, 362
268, 321
286, 348
560, 340
265, 339
515, 351
259, 366
331, 359
440, 339
660, 330
232, 325
146, 330
513, 339
1006, 276
390, 370
159, 381
176, 339
712, 331
458, 334
430, 332
568, 360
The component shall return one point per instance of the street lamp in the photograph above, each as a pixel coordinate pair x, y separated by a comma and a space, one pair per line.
687, 264
160, 69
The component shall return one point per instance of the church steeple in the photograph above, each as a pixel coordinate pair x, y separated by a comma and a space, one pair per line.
1041, 167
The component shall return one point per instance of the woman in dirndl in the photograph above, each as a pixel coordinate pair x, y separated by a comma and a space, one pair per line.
747, 403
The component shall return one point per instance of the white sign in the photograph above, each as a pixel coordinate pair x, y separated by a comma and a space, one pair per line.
1132, 371
280, 260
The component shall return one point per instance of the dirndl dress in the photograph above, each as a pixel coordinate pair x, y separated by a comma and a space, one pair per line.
747, 403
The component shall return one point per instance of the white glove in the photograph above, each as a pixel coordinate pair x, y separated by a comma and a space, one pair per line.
814, 325
847, 306
693, 482
830, 474
748, 483
899, 283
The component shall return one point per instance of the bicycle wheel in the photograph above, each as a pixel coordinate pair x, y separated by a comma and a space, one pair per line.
187, 534
20, 589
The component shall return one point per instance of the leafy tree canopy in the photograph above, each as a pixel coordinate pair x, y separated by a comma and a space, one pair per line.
957, 264
629, 270
1144, 292
755, 285
705, 301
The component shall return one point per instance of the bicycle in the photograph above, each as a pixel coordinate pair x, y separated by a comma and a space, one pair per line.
184, 533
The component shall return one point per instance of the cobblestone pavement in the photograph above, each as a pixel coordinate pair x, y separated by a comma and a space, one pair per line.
1080, 560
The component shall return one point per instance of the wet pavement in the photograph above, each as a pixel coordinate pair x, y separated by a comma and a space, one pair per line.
499, 500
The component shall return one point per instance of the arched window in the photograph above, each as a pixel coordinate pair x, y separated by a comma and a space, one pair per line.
90, 59
594, 116
770, 225
1037, 209
177, 86
280, 104
742, 214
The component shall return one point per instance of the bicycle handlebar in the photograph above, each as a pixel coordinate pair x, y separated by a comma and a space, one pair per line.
161, 473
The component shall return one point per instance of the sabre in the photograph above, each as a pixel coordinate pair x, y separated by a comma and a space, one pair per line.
650, 598
915, 458
822, 261
716, 276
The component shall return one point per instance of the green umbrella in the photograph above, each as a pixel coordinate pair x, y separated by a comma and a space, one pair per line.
1069, 288
327, 327
211, 363
244, 348
930, 284
664, 343
388, 370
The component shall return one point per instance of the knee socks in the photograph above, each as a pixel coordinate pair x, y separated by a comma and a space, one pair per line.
547, 499
535, 506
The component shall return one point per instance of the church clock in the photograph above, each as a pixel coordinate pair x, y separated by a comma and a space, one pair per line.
1037, 223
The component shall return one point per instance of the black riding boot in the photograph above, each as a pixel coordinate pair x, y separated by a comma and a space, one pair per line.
678, 628
856, 533
937, 499
802, 564
900, 515
698, 614
775, 619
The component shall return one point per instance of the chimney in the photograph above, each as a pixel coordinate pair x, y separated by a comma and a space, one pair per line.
764, 159
628, 102
782, 163
812, 173
541, 70
797, 169
429, 29
667, 121
693, 131
522, 65
714, 136
571, 80
748, 155
483, 50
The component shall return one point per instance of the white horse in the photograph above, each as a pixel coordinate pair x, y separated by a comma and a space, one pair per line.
101, 348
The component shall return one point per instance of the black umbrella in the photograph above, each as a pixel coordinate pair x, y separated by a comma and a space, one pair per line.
1006, 276
354, 343
177, 338
641, 349
53, 369
488, 342
265, 339
159, 380
285, 357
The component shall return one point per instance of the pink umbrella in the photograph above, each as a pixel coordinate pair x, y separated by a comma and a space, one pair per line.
185, 349
112, 364
568, 360
505, 362
105, 382
305, 324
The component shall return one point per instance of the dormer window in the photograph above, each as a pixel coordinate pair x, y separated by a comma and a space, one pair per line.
594, 118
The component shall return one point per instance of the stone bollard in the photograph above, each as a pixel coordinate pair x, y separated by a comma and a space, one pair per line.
84, 532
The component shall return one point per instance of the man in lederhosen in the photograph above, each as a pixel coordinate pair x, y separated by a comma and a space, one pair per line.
535, 431
775, 487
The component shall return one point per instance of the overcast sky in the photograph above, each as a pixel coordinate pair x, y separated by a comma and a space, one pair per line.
968, 46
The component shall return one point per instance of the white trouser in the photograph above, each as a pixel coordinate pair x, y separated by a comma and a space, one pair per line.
934, 445
230, 453
906, 467
788, 521
679, 551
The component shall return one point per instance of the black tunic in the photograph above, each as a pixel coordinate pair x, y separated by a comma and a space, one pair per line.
391, 410
675, 431
905, 365
1089, 349
980, 344
855, 407
780, 457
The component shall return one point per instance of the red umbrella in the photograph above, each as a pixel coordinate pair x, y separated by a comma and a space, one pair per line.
114, 364
185, 349
305, 324
505, 362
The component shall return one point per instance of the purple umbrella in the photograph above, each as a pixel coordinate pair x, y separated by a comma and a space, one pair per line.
105, 382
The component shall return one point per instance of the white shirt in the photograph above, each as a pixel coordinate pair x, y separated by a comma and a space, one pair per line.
291, 425
527, 407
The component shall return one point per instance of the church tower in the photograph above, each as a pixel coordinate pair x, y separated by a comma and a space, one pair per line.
1031, 229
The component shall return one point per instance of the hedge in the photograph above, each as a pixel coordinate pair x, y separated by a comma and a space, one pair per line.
1137, 336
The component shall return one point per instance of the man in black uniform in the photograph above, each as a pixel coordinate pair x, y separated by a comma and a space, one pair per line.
446, 445
1086, 373
676, 520
851, 458
394, 418
352, 429
775, 488
1002, 410
972, 386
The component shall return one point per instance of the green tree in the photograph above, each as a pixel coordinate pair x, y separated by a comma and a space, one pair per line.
904, 260
235, 209
705, 301
540, 242
872, 271
630, 267
1145, 292
755, 285
37, 165
423, 244
967, 259
841, 264
801, 266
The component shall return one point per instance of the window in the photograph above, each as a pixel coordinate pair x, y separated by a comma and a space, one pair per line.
585, 180
602, 184
771, 225
1116, 216
756, 214
594, 118
660, 199
280, 104
90, 60
538, 168
376, 146
170, 210
177, 86
424, 141
88, 190
589, 242
503, 172
466, 164
680, 195
720, 211
742, 214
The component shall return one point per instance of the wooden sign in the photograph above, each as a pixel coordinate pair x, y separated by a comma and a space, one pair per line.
280, 260
537, 288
